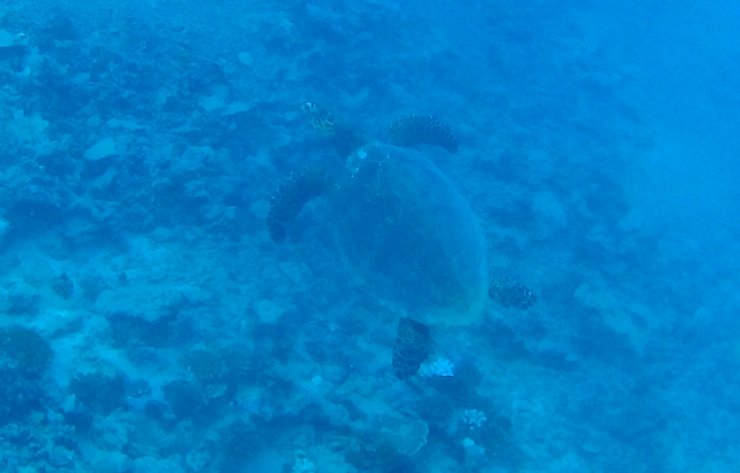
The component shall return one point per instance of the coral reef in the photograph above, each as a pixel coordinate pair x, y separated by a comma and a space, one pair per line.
382, 458
130, 331
20, 300
19, 396
98, 392
240, 441
63, 286
184, 399
208, 366
24, 351
148, 326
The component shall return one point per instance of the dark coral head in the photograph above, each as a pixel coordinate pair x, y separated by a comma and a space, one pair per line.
25, 351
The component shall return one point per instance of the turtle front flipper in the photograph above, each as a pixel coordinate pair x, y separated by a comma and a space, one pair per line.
412, 348
412, 130
296, 191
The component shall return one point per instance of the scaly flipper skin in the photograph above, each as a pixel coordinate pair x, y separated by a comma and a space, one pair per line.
510, 293
412, 348
303, 185
412, 130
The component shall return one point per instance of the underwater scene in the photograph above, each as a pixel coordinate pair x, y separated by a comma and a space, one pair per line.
369, 236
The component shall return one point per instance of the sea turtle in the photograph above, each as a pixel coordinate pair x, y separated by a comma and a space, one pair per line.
402, 226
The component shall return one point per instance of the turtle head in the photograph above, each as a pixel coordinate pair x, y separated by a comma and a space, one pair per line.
321, 119
344, 139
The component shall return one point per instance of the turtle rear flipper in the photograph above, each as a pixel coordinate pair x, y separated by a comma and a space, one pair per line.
412, 347
296, 191
412, 130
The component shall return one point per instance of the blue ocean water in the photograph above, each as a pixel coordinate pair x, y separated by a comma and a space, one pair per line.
174, 297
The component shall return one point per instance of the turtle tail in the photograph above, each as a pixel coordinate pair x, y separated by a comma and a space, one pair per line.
298, 189
412, 130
